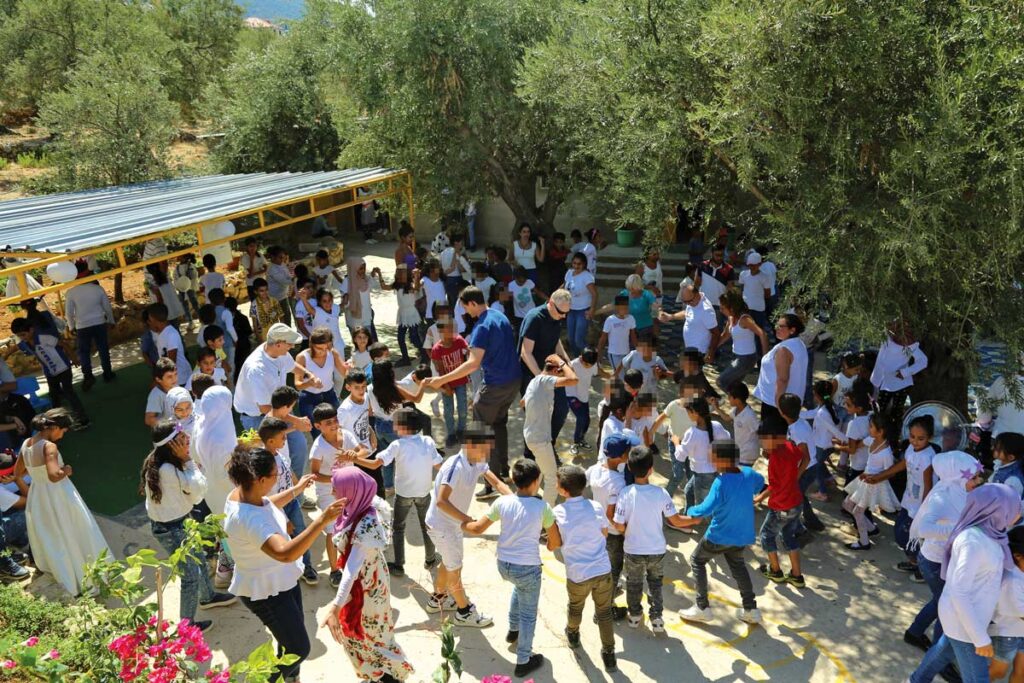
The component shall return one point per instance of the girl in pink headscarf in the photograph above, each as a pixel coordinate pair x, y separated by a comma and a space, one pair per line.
360, 616
355, 294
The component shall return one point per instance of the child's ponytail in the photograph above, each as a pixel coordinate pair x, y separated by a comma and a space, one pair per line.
823, 388
700, 406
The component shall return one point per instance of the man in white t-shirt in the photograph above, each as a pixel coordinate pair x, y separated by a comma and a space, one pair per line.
264, 370
700, 331
756, 289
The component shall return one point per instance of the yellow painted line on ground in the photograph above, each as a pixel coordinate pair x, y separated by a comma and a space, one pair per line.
693, 632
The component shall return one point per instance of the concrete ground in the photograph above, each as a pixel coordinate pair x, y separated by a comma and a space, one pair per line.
845, 625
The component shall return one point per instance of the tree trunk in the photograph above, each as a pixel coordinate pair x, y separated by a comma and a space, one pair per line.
119, 288
945, 378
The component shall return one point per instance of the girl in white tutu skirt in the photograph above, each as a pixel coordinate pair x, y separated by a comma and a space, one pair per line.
869, 491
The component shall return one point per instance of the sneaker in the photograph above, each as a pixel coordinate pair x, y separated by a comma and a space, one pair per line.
917, 576
370, 240
905, 566
695, 613
12, 571
204, 626
431, 563
609, 661
435, 407
921, 642
526, 668
222, 577
775, 576
818, 496
474, 619
657, 624
487, 493
308, 504
396, 569
435, 604
20, 557
335, 578
310, 576
857, 546
585, 445
573, 637
512, 637
543, 538
633, 620
218, 600
574, 449
750, 616
797, 581
874, 532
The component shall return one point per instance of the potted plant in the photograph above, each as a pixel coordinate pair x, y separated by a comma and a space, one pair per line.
625, 235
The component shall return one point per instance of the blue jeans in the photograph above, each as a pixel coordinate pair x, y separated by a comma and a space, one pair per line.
293, 511
308, 402
810, 475
1007, 647
522, 610
785, 522
581, 411
930, 611
946, 650
452, 286
576, 326
738, 368
385, 435
678, 477
282, 614
14, 527
414, 336
186, 298
698, 487
901, 531
195, 580
86, 337
298, 452
449, 401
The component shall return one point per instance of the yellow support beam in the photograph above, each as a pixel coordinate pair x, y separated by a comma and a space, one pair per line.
20, 271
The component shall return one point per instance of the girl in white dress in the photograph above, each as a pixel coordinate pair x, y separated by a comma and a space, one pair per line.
328, 314
61, 531
868, 490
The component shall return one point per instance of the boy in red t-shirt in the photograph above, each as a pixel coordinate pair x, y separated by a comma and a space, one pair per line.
786, 462
448, 354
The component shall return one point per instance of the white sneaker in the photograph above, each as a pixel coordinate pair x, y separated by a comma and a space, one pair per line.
658, 625
474, 619
435, 406
222, 577
447, 605
750, 616
371, 241
694, 613
634, 621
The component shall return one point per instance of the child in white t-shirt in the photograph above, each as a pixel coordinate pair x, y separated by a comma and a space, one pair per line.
523, 519
449, 501
645, 359
638, 515
618, 333
1007, 627
523, 289
165, 378
744, 424
586, 368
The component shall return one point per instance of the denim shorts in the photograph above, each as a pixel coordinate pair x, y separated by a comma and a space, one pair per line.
1006, 647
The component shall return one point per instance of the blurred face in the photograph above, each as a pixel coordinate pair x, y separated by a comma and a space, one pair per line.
645, 350
361, 340
327, 301
874, 431
321, 261
716, 256
168, 380
278, 258
207, 365
578, 264
560, 243
975, 481
217, 343
328, 427
653, 257
524, 234
25, 337
251, 248
362, 269
447, 330
319, 350
477, 451
357, 390
263, 293
782, 330
307, 290
183, 410
918, 438
622, 310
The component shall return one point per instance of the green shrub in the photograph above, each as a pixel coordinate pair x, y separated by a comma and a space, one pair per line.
3, 163
30, 160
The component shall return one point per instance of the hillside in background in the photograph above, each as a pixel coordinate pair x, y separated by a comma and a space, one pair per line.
273, 9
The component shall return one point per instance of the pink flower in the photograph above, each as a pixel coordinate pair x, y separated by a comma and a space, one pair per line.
222, 677
498, 678
31, 642
8, 664
53, 654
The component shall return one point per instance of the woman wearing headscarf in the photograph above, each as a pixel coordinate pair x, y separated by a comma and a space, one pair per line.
975, 557
958, 473
360, 618
214, 441
355, 294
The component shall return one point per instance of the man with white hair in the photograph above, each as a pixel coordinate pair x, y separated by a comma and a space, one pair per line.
540, 336
700, 331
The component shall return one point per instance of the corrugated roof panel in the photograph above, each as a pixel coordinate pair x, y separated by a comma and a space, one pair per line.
68, 222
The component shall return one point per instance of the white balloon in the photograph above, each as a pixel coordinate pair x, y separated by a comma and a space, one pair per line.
224, 229
62, 271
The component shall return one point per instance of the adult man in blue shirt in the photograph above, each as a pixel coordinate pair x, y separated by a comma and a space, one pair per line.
492, 346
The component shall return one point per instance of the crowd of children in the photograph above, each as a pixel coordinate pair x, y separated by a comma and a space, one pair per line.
350, 429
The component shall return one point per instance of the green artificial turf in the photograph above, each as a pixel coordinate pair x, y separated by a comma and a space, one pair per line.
106, 457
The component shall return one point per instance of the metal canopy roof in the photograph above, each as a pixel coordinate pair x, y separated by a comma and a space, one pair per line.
74, 221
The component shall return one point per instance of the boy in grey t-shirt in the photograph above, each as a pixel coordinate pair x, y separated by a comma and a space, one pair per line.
539, 401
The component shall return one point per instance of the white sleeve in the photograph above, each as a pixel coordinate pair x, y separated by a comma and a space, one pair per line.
967, 575
350, 573
920, 362
193, 483
229, 325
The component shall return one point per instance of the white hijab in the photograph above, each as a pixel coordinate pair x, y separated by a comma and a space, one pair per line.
215, 440
947, 498
176, 396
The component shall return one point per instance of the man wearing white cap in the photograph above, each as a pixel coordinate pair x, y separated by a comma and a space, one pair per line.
756, 289
265, 370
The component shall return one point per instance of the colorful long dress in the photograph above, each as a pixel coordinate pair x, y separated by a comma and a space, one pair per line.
376, 653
